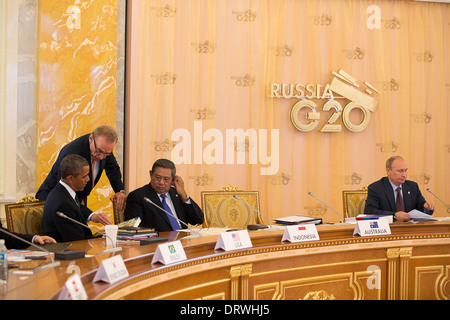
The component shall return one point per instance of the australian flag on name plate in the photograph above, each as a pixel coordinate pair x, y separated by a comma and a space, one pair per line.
374, 224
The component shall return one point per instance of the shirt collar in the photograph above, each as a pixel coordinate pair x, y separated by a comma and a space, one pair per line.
166, 194
394, 187
72, 193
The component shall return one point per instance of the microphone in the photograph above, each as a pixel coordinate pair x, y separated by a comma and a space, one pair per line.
254, 226
62, 215
326, 205
170, 214
428, 189
47, 266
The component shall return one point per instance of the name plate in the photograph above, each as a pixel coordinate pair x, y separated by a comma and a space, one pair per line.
301, 233
372, 227
169, 252
234, 240
111, 270
73, 289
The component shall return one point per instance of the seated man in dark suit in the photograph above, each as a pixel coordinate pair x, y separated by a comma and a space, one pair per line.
13, 243
97, 148
165, 189
74, 171
394, 195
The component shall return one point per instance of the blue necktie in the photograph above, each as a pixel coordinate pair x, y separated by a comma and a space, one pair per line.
173, 222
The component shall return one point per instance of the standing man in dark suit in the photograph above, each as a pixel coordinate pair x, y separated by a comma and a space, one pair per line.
165, 189
74, 172
394, 195
97, 148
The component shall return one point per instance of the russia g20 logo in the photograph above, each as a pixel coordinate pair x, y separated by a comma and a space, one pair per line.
344, 87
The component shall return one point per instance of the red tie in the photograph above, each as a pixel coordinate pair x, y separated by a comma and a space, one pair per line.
399, 203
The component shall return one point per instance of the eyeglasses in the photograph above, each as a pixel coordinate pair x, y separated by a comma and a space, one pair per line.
99, 151
159, 178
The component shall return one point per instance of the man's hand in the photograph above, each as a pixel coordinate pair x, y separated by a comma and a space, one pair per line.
178, 183
429, 206
401, 216
101, 218
120, 198
43, 240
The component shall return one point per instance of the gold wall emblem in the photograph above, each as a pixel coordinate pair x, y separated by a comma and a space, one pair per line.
343, 86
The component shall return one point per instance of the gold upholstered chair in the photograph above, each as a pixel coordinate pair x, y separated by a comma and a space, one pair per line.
118, 214
25, 216
221, 209
354, 201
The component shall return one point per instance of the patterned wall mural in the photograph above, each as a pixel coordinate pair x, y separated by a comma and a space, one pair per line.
77, 79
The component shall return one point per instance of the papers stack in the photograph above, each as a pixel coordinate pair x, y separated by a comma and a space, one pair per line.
130, 230
419, 215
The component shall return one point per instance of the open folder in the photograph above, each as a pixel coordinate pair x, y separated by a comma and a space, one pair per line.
298, 219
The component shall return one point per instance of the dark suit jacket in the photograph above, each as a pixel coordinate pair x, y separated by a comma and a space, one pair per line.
80, 146
381, 199
153, 217
13, 243
61, 229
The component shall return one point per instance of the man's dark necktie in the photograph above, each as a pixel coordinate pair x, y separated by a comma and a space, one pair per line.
399, 203
77, 201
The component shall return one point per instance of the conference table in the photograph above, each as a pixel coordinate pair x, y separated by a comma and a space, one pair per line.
413, 262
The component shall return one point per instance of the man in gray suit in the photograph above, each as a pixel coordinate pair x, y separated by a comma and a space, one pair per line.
394, 195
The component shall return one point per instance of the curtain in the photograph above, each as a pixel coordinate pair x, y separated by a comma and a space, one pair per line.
218, 81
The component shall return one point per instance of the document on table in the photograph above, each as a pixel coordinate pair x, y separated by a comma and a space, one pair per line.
419, 215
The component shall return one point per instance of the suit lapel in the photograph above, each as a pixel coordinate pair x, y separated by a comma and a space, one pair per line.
407, 197
70, 200
177, 203
85, 152
155, 198
390, 194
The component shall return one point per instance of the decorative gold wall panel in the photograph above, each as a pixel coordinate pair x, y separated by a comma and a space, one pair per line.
77, 79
